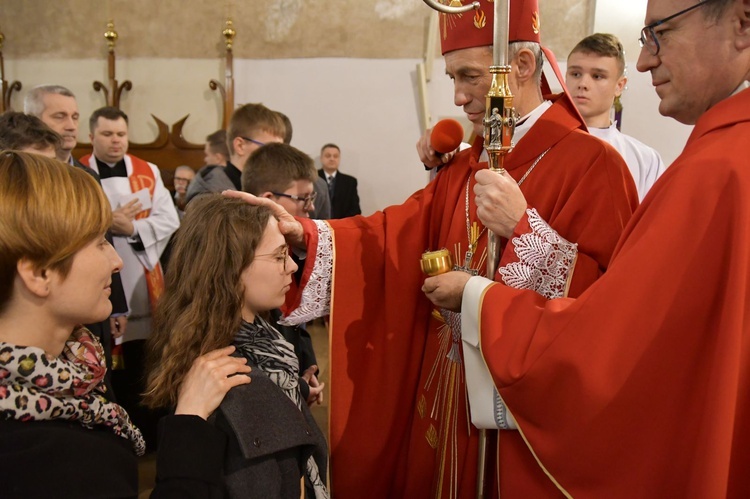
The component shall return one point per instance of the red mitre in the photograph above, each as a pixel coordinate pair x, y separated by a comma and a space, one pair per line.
474, 28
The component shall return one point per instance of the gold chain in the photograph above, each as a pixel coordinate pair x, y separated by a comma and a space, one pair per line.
472, 229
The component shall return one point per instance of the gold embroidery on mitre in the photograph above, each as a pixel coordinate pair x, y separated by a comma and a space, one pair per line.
422, 406
535, 23
449, 20
432, 436
480, 20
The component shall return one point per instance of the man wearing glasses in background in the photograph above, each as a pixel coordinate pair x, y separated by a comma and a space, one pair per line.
251, 127
639, 387
285, 174
183, 176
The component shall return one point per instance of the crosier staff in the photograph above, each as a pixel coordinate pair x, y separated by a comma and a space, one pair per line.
499, 126
499, 120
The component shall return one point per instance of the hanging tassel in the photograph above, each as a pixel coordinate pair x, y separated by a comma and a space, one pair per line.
118, 360
118, 356
618, 112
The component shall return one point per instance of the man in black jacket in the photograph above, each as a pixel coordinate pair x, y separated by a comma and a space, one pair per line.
342, 188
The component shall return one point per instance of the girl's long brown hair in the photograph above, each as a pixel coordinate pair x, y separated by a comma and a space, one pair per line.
201, 307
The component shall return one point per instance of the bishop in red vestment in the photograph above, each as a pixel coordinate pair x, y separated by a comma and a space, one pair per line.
639, 386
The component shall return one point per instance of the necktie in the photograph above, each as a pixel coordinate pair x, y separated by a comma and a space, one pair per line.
331, 185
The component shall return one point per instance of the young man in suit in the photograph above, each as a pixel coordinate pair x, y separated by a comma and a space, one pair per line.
251, 127
342, 188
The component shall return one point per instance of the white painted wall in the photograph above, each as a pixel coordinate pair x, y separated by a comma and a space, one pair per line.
368, 107
168, 88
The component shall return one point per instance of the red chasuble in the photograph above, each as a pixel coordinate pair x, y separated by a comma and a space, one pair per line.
641, 386
398, 421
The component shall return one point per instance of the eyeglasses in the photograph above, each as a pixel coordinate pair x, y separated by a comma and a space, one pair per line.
180, 179
648, 37
280, 256
307, 200
257, 142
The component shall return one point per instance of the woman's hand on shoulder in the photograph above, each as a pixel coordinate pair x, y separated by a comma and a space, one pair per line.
211, 376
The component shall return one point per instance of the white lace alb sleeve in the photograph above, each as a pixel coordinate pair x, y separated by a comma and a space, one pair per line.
545, 260
316, 295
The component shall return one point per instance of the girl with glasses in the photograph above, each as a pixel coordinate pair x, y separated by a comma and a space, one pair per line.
230, 266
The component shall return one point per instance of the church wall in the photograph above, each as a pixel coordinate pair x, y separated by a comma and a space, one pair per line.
346, 77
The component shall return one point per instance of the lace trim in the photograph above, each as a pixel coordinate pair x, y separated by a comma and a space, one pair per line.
545, 260
503, 418
453, 320
316, 295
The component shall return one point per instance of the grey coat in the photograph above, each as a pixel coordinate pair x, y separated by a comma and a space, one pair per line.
322, 201
209, 179
270, 440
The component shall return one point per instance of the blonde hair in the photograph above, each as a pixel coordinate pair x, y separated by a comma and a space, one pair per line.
49, 211
602, 45
250, 119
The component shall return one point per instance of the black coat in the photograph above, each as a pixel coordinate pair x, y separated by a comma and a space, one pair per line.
345, 199
119, 302
270, 440
62, 459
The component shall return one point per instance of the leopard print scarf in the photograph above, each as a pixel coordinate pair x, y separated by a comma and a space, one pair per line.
35, 387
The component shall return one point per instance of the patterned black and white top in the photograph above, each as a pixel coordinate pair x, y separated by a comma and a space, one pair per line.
265, 348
